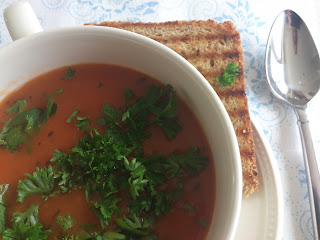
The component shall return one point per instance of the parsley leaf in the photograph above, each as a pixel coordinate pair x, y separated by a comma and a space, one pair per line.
65, 222
83, 235
158, 101
3, 190
137, 185
229, 75
111, 115
22, 232
25, 124
28, 218
190, 161
136, 181
178, 191
106, 208
41, 182
83, 123
18, 107
22, 118
15, 137
128, 93
162, 203
72, 116
140, 204
51, 107
188, 207
2, 218
4, 132
26, 226
156, 171
165, 113
69, 73
131, 224
110, 235
70, 238
204, 223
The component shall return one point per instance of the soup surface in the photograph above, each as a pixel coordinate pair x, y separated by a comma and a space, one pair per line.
179, 206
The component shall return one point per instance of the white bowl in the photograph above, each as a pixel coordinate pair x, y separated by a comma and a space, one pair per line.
37, 53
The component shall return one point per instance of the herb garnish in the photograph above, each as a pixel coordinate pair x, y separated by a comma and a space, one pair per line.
82, 124
106, 165
65, 222
229, 75
188, 207
26, 123
41, 182
26, 226
69, 73
3, 190
2, 218
204, 223
72, 116
18, 107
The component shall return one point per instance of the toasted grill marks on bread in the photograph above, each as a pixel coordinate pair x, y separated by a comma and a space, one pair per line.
210, 46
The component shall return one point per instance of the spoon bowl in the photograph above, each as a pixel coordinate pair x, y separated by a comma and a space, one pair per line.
293, 73
292, 60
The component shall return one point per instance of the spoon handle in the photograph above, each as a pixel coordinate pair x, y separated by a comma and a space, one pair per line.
312, 170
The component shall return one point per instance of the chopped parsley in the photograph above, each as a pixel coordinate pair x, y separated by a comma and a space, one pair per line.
108, 162
65, 222
18, 107
2, 218
131, 224
51, 107
40, 182
229, 75
188, 207
112, 162
3, 190
26, 122
204, 223
72, 116
82, 124
69, 73
26, 226
70, 238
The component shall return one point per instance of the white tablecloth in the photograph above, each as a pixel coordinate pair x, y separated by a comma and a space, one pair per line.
253, 19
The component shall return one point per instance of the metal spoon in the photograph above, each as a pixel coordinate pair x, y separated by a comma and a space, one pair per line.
293, 72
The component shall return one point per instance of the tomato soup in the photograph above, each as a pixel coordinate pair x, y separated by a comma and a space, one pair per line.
86, 87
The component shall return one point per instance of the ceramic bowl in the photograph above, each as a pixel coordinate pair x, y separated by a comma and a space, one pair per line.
36, 53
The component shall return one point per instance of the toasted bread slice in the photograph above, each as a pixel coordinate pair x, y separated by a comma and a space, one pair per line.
210, 46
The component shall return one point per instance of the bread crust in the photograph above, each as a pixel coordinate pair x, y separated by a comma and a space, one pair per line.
210, 46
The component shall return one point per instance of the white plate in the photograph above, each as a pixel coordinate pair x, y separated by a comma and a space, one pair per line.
261, 215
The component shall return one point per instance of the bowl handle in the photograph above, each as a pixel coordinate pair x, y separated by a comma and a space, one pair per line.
21, 20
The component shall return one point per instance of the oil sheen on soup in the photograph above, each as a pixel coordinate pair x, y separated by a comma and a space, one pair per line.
95, 151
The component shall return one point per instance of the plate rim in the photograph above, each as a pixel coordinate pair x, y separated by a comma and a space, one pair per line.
276, 176
278, 203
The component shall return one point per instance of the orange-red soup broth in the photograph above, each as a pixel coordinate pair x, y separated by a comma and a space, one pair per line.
87, 90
